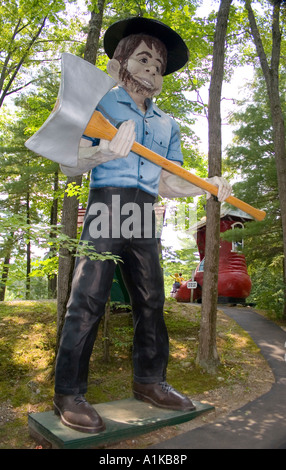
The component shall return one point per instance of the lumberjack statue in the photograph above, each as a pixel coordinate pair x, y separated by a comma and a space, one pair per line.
141, 52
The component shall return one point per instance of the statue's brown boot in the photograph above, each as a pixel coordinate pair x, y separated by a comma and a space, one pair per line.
76, 413
163, 395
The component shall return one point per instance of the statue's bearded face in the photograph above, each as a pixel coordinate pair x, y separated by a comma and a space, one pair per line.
142, 72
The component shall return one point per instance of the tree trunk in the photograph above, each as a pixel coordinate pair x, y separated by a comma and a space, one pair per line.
271, 75
28, 250
52, 279
66, 259
7, 250
207, 353
70, 205
4, 276
95, 26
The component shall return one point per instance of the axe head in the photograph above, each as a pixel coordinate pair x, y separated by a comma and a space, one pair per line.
82, 87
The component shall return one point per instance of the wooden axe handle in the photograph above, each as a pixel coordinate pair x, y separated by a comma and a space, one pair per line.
101, 128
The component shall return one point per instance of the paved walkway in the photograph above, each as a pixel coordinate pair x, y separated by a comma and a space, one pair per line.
261, 424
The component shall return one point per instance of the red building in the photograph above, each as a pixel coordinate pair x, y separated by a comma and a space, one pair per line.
234, 283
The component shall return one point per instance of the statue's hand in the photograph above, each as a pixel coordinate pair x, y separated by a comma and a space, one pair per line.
121, 143
224, 188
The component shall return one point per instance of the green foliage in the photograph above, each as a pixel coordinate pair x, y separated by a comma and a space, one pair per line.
69, 245
27, 181
16, 283
81, 192
268, 288
30, 31
25, 176
252, 155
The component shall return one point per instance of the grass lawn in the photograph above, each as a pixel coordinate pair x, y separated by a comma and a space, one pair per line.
27, 343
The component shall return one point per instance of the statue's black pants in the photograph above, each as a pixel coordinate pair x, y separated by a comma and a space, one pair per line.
92, 280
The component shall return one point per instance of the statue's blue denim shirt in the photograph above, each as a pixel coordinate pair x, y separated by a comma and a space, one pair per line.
154, 129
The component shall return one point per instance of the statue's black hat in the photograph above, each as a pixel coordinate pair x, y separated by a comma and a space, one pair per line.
178, 53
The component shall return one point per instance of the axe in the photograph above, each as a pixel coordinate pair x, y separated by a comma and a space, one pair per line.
82, 87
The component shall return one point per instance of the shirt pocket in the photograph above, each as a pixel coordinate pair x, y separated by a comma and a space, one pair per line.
160, 146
